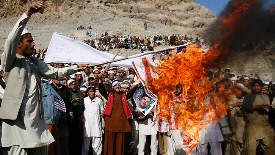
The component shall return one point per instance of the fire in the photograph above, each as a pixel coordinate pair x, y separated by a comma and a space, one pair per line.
202, 106
190, 70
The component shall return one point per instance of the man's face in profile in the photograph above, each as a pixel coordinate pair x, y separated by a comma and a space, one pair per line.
144, 102
27, 45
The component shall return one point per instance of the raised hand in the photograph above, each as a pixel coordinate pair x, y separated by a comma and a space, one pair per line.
34, 8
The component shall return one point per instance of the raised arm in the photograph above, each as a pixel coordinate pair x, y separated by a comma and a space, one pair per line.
132, 91
102, 91
12, 41
101, 88
50, 72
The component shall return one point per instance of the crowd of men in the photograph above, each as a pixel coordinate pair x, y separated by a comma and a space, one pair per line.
58, 110
105, 42
90, 126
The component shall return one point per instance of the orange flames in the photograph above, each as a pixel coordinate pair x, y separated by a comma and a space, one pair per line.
190, 70
202, 105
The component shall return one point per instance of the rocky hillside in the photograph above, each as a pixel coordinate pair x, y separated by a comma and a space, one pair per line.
117, 17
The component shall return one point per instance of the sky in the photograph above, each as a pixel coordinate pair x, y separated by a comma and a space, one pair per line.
218, 5
214, 5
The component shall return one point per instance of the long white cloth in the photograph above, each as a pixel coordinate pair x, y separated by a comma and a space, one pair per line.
63, 49
92, 120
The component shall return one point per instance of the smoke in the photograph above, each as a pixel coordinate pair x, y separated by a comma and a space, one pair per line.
243, 25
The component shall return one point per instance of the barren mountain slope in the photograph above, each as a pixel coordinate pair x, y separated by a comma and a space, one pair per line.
117, 17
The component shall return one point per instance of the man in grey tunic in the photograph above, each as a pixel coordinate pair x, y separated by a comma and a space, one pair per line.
24, 129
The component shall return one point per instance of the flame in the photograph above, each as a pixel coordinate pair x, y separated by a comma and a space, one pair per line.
190, 70
202, 105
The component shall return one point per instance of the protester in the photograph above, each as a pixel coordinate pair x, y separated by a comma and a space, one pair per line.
24, 129
116, 122
79, 79
236, 121
52, 114
77, 117
258, 130
131, 138
116, 115
121, 75
145, 130
92, 123
246, 82
84, 91
63, 123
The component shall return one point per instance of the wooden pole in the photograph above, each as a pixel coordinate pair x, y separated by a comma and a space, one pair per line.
113, 59
140, 55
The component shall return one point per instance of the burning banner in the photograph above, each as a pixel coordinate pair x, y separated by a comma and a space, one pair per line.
181, 85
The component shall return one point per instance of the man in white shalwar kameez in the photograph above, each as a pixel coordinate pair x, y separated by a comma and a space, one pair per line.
211, 135
24, 129
146, 129
92, 123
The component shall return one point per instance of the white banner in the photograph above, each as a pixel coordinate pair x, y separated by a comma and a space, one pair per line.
63, 49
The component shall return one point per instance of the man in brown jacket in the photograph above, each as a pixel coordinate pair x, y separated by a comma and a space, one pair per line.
117, 115
258, 130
